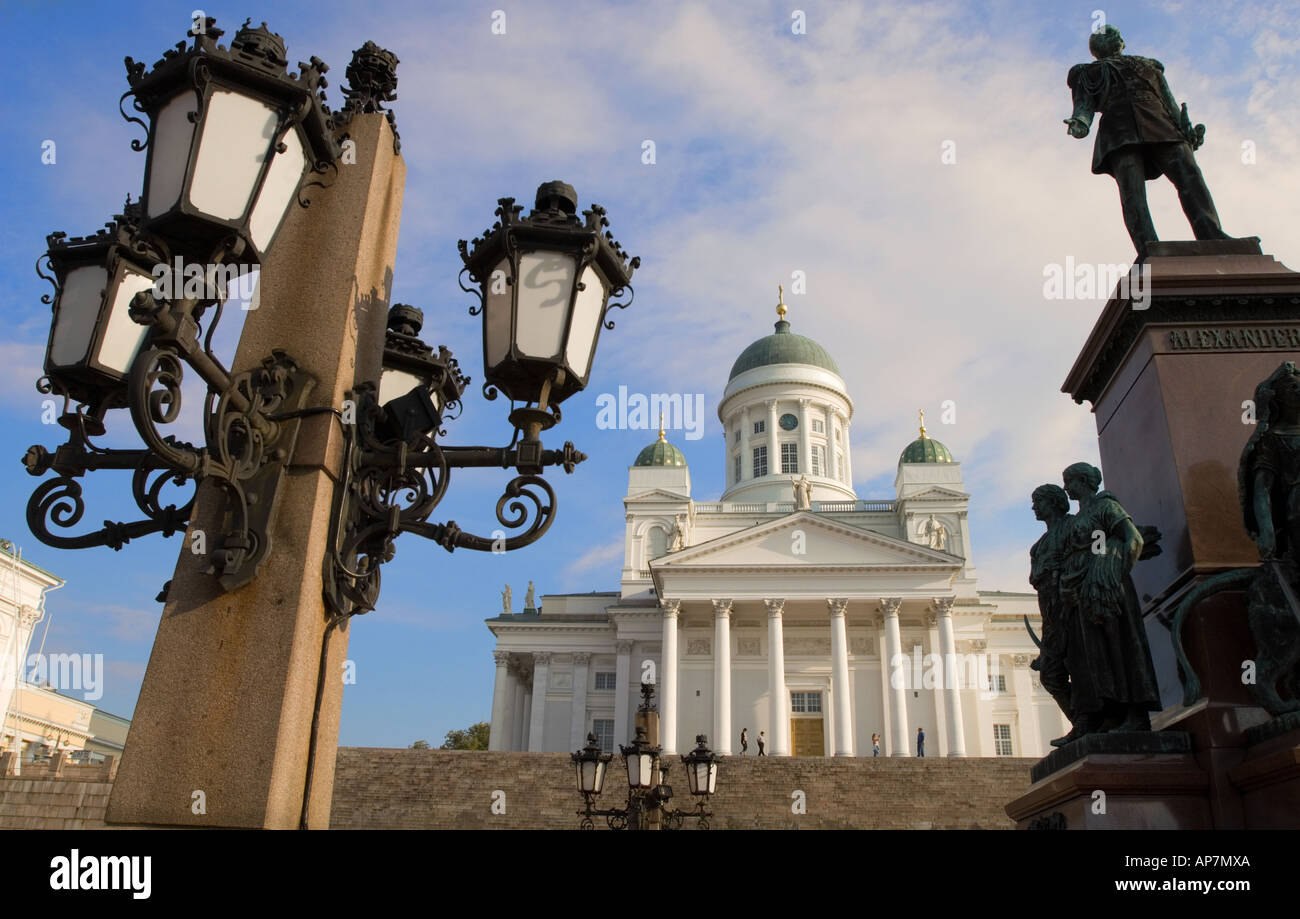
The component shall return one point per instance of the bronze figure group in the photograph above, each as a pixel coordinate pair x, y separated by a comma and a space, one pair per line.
1094, 659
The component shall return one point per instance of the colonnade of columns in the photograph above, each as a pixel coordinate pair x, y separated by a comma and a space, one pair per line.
519, 724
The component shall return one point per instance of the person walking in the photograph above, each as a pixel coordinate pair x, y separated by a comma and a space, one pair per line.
920, 742
762, 742
875, 744
744, 740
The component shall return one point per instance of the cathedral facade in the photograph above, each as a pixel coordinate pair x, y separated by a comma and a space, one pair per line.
789, 608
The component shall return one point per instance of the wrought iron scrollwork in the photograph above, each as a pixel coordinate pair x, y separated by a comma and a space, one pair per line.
391, 486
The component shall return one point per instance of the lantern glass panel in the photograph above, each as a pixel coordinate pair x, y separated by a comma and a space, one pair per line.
713, 778
395, 383
600, 776
634, 771
278, 190
122, 335
496, 319
543, 290
587, 308
169, 153
237, 135
76, 313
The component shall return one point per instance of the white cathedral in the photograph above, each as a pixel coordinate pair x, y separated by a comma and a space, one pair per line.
788, 606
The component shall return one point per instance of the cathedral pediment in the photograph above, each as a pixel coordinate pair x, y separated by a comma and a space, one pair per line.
655, 496
938, 492
807, 540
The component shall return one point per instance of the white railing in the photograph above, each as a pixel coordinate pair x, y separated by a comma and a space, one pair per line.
786, 507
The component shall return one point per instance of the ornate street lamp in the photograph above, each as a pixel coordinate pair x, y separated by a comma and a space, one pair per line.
701, 768
647, 778
589, 766
231, 136
93, 341
544, 284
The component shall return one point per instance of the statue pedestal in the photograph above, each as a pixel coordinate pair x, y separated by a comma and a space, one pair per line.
1170, 369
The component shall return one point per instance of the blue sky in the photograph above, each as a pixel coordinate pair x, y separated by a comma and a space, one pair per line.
775, 153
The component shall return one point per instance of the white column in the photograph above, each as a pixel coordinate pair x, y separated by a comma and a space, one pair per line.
896, 664
773, 447
746, 456
779, 716
520, 707
1027, 743
668, 677
951, 675
722, 677
578, 722
622, 670
537, 720
848, 452
843, 736
805, 440
498, 734
526, 731
937, 700
884, 727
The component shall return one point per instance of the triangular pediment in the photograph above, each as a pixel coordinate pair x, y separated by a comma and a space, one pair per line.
939, 492
806, 539
655, 495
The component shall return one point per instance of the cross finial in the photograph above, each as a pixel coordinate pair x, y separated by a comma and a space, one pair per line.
921, 412
662, 439
780, 301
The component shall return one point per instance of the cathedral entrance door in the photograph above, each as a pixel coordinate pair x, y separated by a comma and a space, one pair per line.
807, 737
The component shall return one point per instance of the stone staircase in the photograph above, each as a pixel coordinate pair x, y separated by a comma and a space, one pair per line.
437, 789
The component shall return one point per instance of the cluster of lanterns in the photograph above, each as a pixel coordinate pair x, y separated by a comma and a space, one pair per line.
232, 136
646, 778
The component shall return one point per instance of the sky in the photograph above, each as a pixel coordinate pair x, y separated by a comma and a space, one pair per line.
908, 158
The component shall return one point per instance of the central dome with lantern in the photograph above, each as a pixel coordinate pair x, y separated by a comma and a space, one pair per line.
785, 413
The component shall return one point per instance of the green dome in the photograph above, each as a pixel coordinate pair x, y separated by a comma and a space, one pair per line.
783, 347
660, 453
925, 449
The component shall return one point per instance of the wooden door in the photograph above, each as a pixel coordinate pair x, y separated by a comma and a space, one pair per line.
806, 737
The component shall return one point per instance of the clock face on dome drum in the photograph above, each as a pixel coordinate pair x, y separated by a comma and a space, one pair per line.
789, 422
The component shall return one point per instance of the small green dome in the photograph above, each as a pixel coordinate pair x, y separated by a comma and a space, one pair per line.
783, 347
925, 449
660, 453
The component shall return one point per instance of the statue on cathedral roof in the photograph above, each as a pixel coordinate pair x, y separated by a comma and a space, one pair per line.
802, 494
530, 599
934, 532
505, 600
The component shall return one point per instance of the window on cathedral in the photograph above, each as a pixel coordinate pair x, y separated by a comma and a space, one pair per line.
997, 682
760, 462
790, 458
605, 680
603, 728
818, 426
760, 427
1002, 740
735, 435
818, 460
736, 472
656, 543
806, 702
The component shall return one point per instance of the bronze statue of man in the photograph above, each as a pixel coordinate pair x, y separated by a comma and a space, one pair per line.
1112, 679
1052, 506
1143, 134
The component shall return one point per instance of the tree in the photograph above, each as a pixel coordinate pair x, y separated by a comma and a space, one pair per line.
420, 745
474, 737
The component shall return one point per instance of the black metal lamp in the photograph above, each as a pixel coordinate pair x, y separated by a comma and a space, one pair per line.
701, 768
416, 386
590, 765
93, 340
544, 282
642, 762
231, 135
